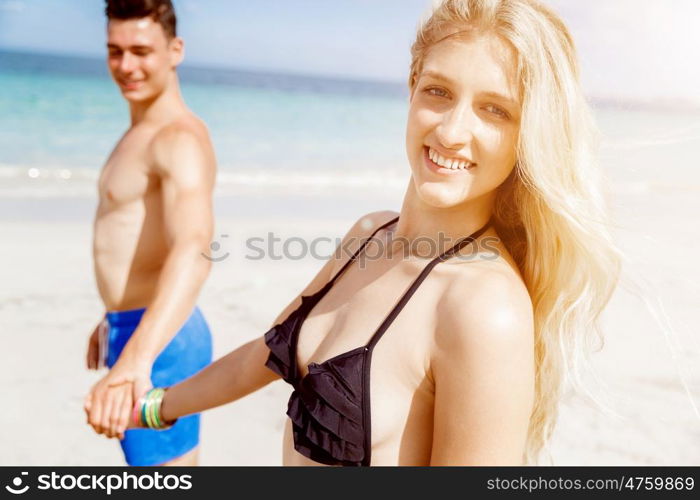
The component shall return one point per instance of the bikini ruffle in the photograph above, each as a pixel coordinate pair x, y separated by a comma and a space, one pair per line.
326, 413
326, 420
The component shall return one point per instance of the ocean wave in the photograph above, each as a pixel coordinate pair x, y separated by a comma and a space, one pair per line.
28, 181
61, 182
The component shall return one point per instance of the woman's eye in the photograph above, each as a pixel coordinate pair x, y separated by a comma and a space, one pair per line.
497, 111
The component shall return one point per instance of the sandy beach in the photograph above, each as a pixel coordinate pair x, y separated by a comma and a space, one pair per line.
49, 304
307, 106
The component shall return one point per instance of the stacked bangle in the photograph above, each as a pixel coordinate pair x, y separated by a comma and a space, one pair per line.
148, 412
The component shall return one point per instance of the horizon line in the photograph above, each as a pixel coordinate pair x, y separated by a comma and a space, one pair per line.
600, 101
210, 66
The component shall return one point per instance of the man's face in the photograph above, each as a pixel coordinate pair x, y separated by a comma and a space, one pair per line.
141, 58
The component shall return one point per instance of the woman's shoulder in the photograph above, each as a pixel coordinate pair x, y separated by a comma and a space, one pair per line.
362, 229
485, 301
369, 223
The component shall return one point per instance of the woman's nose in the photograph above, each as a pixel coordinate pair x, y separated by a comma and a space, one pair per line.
456, 128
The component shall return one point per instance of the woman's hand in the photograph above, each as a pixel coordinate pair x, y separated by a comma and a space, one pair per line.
110, 403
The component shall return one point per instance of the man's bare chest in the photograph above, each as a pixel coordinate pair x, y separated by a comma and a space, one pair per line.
127, 176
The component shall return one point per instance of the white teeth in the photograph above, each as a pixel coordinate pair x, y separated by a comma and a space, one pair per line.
451, 163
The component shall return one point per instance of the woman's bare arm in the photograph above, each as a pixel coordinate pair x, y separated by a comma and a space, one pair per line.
243, 370
237, 374
483, 369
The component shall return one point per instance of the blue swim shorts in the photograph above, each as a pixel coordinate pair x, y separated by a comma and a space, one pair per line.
187, 353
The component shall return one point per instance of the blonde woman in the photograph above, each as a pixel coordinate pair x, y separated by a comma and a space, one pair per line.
450, 344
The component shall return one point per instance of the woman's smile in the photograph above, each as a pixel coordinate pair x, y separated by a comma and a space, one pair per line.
446, 165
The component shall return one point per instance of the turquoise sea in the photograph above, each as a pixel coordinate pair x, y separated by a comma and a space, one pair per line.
66, 112
62, 115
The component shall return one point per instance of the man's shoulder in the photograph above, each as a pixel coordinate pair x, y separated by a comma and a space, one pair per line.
184, 139
186, 128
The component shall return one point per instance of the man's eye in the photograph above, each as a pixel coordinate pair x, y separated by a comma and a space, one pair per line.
436, 91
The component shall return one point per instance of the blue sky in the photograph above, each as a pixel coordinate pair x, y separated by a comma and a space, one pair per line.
630, 49
361, 38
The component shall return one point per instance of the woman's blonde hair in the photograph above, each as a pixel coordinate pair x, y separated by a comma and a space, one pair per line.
551, 212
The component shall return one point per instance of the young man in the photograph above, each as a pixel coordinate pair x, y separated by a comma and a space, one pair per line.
153, 223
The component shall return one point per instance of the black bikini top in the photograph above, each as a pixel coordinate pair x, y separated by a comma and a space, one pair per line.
329, 407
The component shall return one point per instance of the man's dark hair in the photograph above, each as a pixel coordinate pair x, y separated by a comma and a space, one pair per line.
161, 11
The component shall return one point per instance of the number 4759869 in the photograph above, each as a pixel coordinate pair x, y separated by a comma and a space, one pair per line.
660, 483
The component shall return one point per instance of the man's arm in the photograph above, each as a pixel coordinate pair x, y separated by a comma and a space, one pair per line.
482, 366
187, 171
185, 164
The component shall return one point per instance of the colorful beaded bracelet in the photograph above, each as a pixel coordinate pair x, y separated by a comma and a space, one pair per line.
148, 412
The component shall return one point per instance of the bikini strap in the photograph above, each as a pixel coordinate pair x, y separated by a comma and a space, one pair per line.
416, 283
357, 253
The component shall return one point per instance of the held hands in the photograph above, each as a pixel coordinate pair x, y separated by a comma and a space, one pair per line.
124, 398
108, 406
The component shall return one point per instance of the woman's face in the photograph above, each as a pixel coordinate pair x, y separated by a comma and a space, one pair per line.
463, 120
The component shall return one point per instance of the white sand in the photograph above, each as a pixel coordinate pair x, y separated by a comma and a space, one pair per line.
49, 304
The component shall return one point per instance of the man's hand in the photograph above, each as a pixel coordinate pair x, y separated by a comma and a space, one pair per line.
93, 351
109, 404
